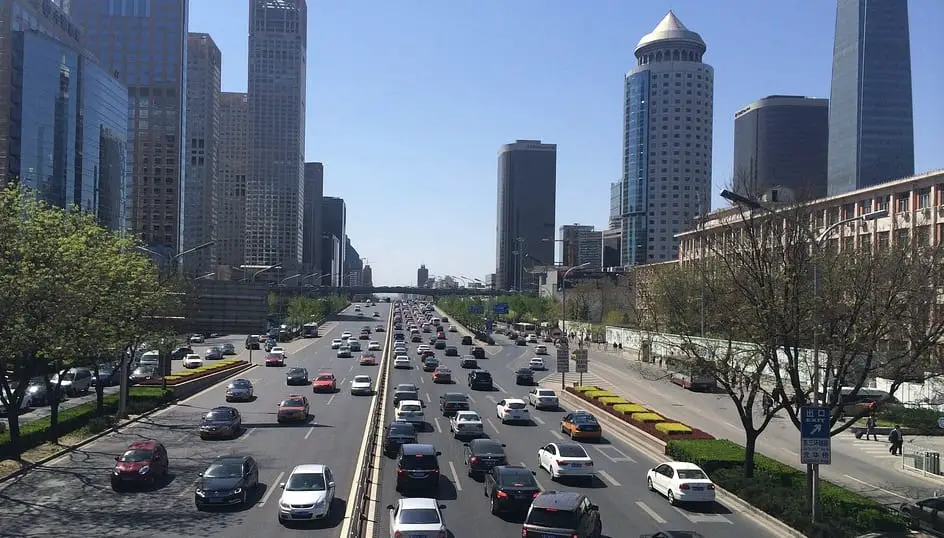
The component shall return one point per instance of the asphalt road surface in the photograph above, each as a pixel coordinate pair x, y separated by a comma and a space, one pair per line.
72, 496
626, 506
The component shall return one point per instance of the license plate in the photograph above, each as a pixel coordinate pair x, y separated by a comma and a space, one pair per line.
697, 488
417, 475
299, 513
575, 465
215, 500
522, 496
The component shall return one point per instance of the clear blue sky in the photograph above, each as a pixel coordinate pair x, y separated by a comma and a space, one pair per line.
409, 101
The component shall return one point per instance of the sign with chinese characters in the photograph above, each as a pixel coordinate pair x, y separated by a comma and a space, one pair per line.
563, 360
581, 360
500, 308
815, 441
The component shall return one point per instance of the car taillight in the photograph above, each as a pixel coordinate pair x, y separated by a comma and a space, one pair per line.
473, 459
588, 464
535, 496
435, 471
400, 471
684, 487
524, 532
501, 494
711, 486
397, 534
442, 534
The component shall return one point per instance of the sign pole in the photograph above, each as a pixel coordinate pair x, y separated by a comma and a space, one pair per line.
815, 448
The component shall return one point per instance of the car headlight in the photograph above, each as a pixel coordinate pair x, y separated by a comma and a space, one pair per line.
116, 471
199, 492
33, 390
284, 506
144, 470
237, 491
319, 502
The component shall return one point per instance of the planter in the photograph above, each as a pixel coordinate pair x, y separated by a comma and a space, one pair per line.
647, 427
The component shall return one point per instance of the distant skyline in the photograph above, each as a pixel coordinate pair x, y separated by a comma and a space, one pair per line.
408, 117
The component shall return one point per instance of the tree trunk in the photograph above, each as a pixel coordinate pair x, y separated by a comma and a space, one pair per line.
13, 417
750, 446
53, 414
99, 396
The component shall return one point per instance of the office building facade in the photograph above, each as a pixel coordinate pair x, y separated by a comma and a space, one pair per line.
422, 276
611, 247
145, 44
353, 264
201, 183
667, 139
780, 147
311, 232
616, 201
275, 204
367, 276
232, 173
527, 196
334, 238
871, 121
64, 134
581, 244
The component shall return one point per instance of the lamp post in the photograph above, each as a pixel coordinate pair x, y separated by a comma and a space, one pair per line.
252, 278
816, 243
564, 308
170, 259
205, 277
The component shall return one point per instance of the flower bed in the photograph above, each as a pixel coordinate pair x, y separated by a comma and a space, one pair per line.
639, 417
196, 373
613, 400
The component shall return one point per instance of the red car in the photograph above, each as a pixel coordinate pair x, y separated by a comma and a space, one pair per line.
275, 359
441, 335
148, 456
324, 382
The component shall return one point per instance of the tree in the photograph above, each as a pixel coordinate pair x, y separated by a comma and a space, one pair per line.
583, 302
750, 289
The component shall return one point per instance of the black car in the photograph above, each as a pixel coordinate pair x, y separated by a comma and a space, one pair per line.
480, 380
430, 364
252, 342
481, 455
398, 337
181, 352
516, 483
478, 352
440, 344
467, 340
397, 434
297, 376
228, 480
452, 351
405, 391
451, 403
433, 340
524, 376
221, 422
468, 362
379, 329
355, 345
521, 342
107, 374
416, 338
562, 512
418, 467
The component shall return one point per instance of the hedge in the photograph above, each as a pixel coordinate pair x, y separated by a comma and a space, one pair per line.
189, 375
922, 421
35, 433
647, 417
630, 408
673, 427
780, 490
612, 400
598, 394
585, 388
648, 427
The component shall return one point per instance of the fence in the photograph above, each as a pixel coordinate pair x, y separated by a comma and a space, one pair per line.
921, 459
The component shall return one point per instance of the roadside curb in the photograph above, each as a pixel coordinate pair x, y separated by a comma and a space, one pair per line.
88, 440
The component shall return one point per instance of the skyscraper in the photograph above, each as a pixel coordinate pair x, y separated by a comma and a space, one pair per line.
233, 171
200, 204
527, 194
334, 238
871, 123
367, 276
275, 202
145, 44
422, 276
780, 142
616, 200
353, 264
311, 232
666, 141
581, 244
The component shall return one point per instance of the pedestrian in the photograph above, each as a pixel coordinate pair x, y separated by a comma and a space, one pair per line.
870, 428
768, 403
895, 438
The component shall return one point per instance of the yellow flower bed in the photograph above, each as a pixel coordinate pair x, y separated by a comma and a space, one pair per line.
594, 394
647, 417
586, 388
630, 408
183, 376
612, 400
673, 428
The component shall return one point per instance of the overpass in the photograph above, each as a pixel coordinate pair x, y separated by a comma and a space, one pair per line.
396, 290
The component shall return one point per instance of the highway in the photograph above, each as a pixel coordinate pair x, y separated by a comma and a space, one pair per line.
72, 495
627, 508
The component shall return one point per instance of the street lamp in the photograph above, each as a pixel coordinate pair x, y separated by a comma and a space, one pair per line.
205, 277
564, 306
170, 259
817, 242
286, 279
252, 278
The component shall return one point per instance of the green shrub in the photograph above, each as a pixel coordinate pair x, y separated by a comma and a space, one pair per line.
594, 394
585, 388
709, 454
647, 417
612, 400
630, 408
673, 428
922, 420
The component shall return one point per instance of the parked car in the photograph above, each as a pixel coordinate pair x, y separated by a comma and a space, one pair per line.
143, 463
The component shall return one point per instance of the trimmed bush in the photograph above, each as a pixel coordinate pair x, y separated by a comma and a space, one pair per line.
673, 428
612, 400
585, 388
647, 417
630, 408
594, 394
196, 372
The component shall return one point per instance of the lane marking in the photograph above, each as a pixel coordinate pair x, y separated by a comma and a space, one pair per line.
559, 435
608, 478
652, 513
492, 424
605, 450
190, 489
866, 484
248, 433
422, 379
438, 425
455, 477
471, 399
309, 432
343, 379
499, 387
703, 518
352, 368
539, 420
428, 399
491, 399
331, 399
272, 487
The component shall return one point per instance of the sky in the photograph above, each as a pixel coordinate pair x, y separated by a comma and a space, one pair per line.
409, 101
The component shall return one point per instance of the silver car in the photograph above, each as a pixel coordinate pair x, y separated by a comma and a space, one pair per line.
417, 517
229, 349
239, 390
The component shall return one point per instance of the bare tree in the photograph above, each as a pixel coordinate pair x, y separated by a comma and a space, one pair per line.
583, 301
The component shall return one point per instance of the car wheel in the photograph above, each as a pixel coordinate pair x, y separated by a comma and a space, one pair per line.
649, 484
494, 506
671, 497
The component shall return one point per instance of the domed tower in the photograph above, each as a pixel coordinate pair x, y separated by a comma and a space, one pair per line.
668, 100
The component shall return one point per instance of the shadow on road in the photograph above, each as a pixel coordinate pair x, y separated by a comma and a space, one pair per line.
334, 519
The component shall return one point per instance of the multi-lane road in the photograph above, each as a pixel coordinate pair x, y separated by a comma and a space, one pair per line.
627, 508
72, 495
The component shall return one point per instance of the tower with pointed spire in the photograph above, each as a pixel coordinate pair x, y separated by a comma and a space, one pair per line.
668, 98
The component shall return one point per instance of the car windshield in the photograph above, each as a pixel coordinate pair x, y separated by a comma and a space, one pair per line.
524, 371
453, 397
419, 516
325, 378
240, 384
136, 455
584, 419
557, 519
219, 415
545, 393
516, 405
293, 402
361, 379
572, 451
297, 371
517, 478
306, 482
224, 470
442, 370
406, 388
418, 463
468, 417
144, 370
401, 429
691, 474
410, 407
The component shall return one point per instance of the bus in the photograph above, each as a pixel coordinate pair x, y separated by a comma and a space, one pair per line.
310, 330
690, 376
524, 328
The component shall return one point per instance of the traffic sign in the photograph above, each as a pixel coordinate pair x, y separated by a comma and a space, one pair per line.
476, 309
500, 308
563, 360
815, 441
488, 326
581, 360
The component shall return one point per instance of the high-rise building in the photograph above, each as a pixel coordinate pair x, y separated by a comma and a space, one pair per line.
145, 44
612, 240
780, 145
527, 195
367, 276
581, 244
353, 264
666, 141
275, 202
422, 275
871, 123
334, 225
63, 132
232, 171
616, 200
311, 232
201, 183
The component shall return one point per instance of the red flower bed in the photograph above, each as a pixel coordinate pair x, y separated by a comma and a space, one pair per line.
647, 427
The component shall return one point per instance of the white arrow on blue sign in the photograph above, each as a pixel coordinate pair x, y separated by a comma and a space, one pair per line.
815, 441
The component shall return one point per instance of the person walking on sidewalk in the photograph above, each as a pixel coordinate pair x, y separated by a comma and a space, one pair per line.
768, 403
870, 425
895, 438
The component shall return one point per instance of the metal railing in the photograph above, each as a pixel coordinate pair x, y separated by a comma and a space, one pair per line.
921, 459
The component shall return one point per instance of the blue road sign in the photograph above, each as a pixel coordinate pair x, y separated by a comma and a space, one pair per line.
488, 326
476, 309
500, 308
815, 445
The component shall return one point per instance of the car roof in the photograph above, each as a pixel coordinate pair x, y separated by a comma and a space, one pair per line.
294, 396
231, 459
559, 500
149, 444
682, 465
417, 402
309, 468
425, 449
223, 408
454, 395
514, 400
419, 503
470, 412
406, 386
480, 371
362, 377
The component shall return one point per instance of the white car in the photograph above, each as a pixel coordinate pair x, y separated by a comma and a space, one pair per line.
362, 384
344, 352
541, 349
346, 335
423, 347
532, 339
336, 343
307, 494
466, 424
537, 363
399, 349
512, 409
543, 398
196, 339
565, 459
410, 411
453, 329
416, 516
373, 346
680, 482
279, 349
192, 360
402, 361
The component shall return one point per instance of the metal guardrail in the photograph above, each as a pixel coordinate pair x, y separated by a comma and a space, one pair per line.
921, 459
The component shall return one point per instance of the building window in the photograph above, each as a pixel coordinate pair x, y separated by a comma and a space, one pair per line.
901, 203
865, 207
924, 198
901, 237
881, 203
865, 242
882, 240
922, 236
